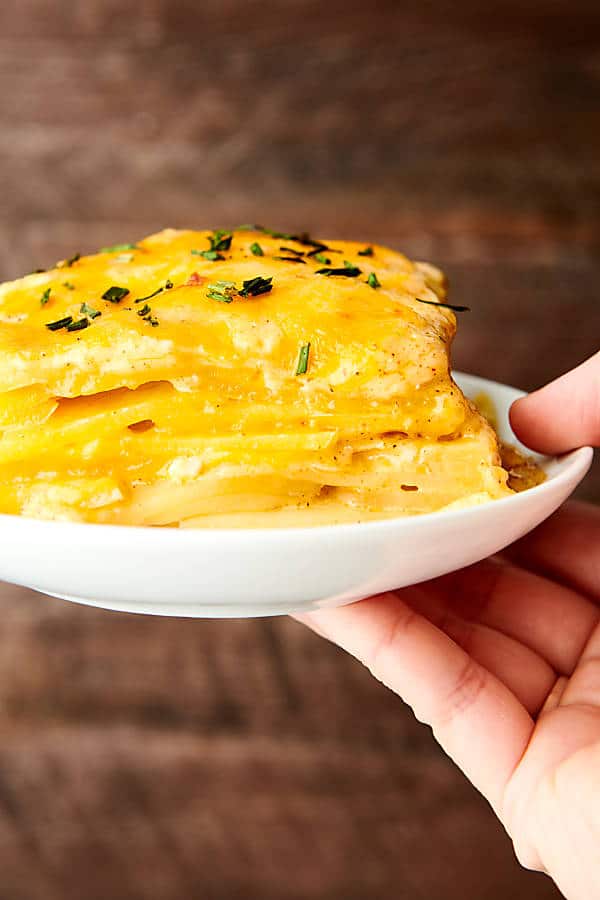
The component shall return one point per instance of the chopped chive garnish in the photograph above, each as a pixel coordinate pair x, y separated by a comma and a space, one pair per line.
293, 259
212, 255
167, 287
68, 285
220, 240
115, 294
225, 291
255, 286
60, 323
321, 248
89, 311
445, 305
292, 251
151, 320
373, 280
302, 366
221, 298
348, 271
322, 259
303, 238
306, 239
368, 251
256, 249
118, 248
45, 297
222, 291
275, 234
150, 296
144, 311
79, 325
67, 263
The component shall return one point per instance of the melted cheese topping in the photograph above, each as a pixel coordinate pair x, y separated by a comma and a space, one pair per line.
174, 407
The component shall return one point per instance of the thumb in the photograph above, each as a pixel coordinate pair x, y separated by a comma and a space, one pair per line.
562, 415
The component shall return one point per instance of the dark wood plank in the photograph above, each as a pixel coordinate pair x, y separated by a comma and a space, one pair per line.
147, 757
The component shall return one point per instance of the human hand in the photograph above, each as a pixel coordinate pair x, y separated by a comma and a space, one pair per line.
502, 659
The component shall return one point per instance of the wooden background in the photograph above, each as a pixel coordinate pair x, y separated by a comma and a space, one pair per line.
162, 759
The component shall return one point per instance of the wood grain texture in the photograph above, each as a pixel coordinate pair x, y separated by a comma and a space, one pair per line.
157, 759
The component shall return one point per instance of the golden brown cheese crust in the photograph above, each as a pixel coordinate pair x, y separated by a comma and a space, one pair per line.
161, 332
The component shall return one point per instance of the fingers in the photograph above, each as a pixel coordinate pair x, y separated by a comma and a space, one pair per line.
554, 697
553, 621
564, 414
565, 547
478, 721
584, 686
526, 674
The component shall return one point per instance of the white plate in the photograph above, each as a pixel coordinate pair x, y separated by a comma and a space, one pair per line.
258, 572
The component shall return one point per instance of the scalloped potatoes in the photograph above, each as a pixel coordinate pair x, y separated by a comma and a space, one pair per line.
233, 378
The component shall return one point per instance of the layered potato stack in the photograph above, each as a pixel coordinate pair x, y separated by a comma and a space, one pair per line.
205, 378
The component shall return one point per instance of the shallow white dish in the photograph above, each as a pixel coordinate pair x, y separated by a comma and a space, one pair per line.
258, 572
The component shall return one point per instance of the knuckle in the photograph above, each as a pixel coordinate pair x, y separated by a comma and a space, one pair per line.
587, 408
387, 645
584, 683
467, 687
527, 856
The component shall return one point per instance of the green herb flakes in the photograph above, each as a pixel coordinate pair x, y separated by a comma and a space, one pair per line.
60, 323
256, 249
373, 281
348, 271
302, 366
322, 259
119, 248
220, 240
45, 296
67, 263
225, 291
445, 305
274, 234
115, 294
368, 251
79, 325
221, 291
89, 311
253, 287
211, 255
166, 287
